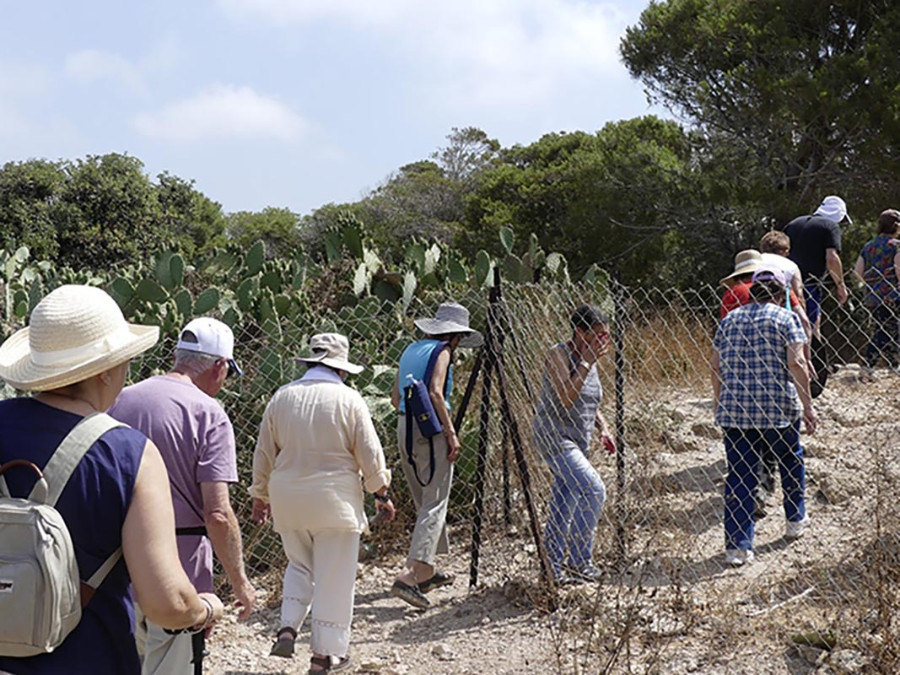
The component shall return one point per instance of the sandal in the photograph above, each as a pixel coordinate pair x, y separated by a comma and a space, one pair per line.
284, 643
411, 594
439, 579
328, 664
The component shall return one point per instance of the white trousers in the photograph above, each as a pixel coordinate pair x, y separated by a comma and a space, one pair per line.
162, 653
321, 574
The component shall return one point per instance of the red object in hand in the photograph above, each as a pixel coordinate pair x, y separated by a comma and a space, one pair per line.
609, 444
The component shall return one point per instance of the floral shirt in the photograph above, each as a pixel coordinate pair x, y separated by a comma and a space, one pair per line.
878, 263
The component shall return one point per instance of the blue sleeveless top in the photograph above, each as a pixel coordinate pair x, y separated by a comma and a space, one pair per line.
554, 423
93, 504
414, 361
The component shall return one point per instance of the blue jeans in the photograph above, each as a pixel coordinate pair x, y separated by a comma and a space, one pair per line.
743, 450
576, 501
884, 336
813, 292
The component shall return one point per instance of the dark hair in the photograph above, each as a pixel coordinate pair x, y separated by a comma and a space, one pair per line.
888, 222
588, 316
766, 290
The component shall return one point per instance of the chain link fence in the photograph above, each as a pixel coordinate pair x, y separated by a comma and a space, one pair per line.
667, 600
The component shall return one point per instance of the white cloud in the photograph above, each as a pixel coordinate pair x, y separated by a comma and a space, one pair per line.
360, 12
88, 66
223, 112
92, 65
482, 53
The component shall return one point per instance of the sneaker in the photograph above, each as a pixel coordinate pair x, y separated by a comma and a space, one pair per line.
738, 556
795, 530
590, 573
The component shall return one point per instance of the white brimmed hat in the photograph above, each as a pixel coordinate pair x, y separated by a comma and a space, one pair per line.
330, 349
206, 335
75, 332
834, 208
745, 262
451, 317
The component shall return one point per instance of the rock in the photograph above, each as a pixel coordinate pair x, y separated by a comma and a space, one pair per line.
679, 442
847, 661
812, 655
442, 652
706, 430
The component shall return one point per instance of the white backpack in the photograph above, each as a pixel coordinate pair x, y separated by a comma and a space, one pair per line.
40, 589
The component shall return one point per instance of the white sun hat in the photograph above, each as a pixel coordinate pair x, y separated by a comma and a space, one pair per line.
451, 317
331, 349
834, 208
75, 332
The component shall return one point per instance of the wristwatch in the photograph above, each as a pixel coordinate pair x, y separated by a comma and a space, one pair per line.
386, 497
585, 364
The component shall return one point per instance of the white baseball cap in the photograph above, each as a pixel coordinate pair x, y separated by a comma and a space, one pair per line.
209, 336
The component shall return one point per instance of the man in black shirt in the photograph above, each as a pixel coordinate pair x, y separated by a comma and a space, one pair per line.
816, 248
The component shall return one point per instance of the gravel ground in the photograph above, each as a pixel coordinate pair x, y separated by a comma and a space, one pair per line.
673, 607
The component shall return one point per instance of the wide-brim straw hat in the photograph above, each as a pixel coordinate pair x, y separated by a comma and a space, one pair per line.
451, 317
745, 262
331, 349
75, 332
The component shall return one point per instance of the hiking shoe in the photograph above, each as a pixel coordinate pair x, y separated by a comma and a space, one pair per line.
439, 579
736, 557
411, 594
795, 530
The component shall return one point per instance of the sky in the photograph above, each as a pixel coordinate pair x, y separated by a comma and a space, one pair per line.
301, 103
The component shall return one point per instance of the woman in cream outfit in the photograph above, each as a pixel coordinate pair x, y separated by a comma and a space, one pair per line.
315, 439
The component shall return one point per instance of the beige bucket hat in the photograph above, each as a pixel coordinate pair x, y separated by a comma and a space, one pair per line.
745, 262
76, 332
331, 349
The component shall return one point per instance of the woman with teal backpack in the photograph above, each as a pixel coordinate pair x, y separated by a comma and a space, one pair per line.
428, 463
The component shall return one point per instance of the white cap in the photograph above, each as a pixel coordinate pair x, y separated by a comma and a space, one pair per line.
209, 336
833, 208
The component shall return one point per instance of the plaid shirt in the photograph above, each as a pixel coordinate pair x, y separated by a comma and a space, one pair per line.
757, 387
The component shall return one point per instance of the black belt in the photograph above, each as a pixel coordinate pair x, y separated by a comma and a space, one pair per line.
198, 531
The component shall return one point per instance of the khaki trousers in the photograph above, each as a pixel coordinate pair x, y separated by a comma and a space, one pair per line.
430, 533
321, 575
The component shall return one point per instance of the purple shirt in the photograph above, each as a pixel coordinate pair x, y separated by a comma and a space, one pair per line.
196, 441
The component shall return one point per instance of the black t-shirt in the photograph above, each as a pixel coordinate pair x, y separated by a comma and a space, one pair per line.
810, 237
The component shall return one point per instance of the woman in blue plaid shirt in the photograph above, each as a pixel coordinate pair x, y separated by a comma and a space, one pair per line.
761, 389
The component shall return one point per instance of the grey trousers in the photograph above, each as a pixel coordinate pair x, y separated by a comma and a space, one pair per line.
430, 533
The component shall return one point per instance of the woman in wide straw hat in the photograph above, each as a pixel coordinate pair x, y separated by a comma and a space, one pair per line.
75, 356
315, 440
433, 457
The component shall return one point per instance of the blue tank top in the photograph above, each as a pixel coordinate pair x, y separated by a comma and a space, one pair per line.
414, 361
554, 423
93, 504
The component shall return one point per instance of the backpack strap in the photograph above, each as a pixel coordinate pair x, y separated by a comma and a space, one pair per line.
409, 452
58, 471
69, 453
432, 360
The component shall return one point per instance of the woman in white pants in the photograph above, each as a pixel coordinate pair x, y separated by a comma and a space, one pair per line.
315, 440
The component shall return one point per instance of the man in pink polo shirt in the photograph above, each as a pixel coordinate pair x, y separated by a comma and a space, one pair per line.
179, 413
